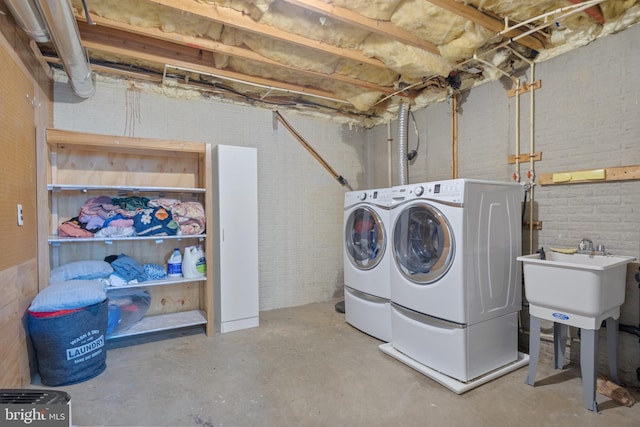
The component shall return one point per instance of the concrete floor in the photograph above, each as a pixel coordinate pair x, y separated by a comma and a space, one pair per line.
304, 366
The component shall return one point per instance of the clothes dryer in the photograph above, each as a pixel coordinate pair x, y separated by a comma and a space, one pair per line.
455, 286
366, 262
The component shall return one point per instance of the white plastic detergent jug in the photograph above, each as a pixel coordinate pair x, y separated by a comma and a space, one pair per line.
201, 265
194, 264
174, 264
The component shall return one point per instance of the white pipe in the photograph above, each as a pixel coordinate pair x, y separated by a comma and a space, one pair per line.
404, 89
28, 18
573, 9
531, 173
402, 145
389, 164
489, 64
580, 7
517, 174
58, 14
531, 164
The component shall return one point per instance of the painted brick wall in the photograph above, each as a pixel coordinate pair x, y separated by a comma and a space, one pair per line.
587, 116
300, 204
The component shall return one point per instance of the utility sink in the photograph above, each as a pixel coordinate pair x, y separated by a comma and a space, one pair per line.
575, 289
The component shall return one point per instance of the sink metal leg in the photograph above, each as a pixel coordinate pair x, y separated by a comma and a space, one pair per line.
612, 348
588, 364
560, 333
534, 348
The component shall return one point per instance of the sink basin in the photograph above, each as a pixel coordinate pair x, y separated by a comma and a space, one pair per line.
575, 289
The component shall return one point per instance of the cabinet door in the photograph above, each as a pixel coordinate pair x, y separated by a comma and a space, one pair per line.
237, 208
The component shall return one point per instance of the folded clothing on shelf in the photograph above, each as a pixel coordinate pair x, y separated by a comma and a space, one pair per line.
155, 222
190, 216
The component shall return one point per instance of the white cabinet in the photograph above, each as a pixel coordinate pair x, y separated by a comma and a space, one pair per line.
235, 201
79, 166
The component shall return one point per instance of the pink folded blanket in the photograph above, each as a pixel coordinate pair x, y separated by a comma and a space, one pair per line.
190, 217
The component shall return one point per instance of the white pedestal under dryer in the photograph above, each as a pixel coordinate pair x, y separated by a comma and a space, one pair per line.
455, 281
366, 256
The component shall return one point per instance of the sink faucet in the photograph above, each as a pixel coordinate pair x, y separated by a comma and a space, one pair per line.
586, 247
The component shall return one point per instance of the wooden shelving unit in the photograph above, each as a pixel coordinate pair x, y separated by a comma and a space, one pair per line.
79, 166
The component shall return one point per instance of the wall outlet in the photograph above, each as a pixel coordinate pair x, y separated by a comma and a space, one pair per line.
20, 217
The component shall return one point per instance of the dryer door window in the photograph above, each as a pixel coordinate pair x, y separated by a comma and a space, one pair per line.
423, 243
364, 238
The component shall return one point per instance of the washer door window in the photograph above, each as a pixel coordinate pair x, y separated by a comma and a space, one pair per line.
423, 244
365, 238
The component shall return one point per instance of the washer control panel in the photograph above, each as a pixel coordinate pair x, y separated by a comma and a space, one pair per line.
380, 197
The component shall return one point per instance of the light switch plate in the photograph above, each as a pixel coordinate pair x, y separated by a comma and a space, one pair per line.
20, 217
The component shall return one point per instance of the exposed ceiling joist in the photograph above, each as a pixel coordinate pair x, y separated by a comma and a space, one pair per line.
213, 46
356, 58
491, 23
134, 46
232, 18
384, 28
595, 12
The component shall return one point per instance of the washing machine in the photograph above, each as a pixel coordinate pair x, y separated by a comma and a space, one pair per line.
455, 280
367, 261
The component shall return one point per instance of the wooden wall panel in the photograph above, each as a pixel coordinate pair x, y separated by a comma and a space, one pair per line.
22, 120
17, 121
18, 288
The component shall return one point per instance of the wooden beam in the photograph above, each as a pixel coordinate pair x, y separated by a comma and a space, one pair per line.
213, 46
235, 19
621, 173
594, 11
537, 225
524, 89
350, 17
160, 52
472, 14
537, 156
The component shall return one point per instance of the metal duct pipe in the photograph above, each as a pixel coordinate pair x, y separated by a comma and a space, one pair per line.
402, 145
58, 14
28, 18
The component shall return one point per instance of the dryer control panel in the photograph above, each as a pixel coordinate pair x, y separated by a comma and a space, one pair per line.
451, 191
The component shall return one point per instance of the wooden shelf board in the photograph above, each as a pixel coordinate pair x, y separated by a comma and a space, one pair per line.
163, 322
164, 282
113, 143
134, 189
107, 240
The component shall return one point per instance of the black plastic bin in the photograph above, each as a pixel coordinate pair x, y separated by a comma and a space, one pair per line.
70, 348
